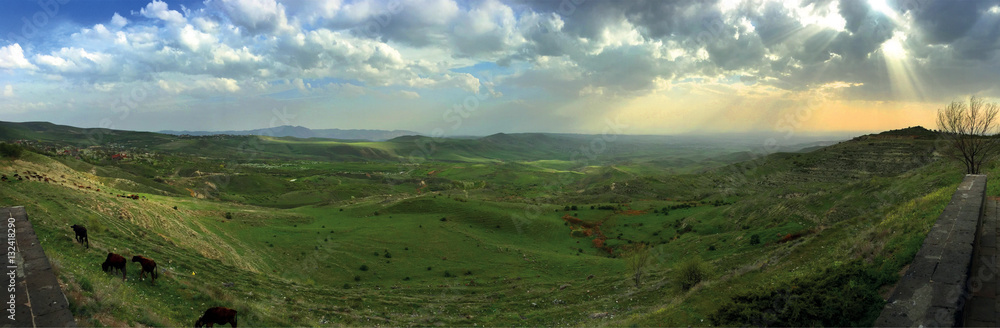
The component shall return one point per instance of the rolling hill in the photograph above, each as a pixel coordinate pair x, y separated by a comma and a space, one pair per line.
501, 230
303, 132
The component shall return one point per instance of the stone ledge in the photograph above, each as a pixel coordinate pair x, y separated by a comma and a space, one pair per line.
40, 300
933, 291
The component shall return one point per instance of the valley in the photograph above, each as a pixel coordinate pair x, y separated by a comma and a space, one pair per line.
509, 229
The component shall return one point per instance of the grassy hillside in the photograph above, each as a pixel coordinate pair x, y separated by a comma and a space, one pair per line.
463, 239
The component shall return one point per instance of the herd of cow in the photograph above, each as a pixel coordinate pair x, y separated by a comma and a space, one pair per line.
216, 315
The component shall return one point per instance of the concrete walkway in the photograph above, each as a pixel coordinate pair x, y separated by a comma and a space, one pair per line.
983, 310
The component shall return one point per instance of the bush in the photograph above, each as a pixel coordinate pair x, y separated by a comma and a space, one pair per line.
364, 267
848, 294
229, 216
357, 278
754, 240
10, 150
448, 274
692, 271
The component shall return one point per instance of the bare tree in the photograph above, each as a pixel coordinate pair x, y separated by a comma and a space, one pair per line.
970, 127
637, 257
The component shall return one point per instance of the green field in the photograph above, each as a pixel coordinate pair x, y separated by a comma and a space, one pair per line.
506, 230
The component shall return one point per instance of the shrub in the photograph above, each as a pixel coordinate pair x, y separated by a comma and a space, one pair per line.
848, 294
754, 240
573, 207
711, 247
692, 271
229, 216
448, 274
10, 150
388, 256
364, 267
348, 286
357, 278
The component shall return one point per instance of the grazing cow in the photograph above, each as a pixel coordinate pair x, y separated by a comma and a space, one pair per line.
147, 266
81, 234
114, 262
217, 315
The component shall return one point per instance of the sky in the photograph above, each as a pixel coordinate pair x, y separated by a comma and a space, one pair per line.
470, 67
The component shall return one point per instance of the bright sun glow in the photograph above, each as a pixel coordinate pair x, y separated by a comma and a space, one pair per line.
893, 48
881, 6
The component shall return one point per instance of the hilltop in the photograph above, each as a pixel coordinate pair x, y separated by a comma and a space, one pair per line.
303, 132
500, 230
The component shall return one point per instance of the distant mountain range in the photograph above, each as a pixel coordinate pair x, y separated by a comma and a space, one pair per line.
303, 132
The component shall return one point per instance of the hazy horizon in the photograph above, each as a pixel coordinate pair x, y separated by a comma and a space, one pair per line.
458, 67
760, 133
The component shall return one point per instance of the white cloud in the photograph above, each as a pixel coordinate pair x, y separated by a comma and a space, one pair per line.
255, 16
12, 57
408, 94
197, 85
158, 9
76, 60
8, 91
194, 40
118, 21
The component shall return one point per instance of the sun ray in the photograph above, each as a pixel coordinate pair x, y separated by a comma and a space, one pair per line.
903, 76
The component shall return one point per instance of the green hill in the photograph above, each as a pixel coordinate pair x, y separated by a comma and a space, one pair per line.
502, 230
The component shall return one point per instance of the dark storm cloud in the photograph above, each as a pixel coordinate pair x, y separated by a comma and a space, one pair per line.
944, 21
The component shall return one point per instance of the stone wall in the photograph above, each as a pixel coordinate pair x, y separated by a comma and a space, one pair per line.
933, 291
38, 299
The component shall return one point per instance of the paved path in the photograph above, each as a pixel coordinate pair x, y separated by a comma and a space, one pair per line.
983, 310
38, 299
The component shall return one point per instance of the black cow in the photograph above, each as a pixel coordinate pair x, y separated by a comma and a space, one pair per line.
217, 315
81, 234
147, 266
114, 262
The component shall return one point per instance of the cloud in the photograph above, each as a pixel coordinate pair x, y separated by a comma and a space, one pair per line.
546, 54
76, 61
118, 21
158, 9
408, 94
254, 16
8, 91
12, 57
201, 85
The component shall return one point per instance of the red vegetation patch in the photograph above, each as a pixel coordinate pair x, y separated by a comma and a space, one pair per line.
792, 236
588, 229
